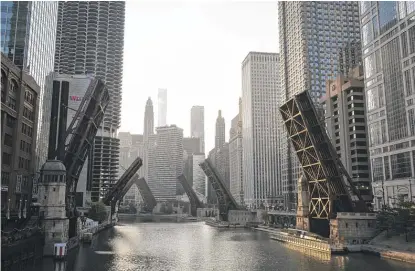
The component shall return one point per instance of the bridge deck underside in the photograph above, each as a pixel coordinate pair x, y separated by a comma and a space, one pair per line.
116, 192
193, 198
328, 191
225, 200
80, 136
148, 197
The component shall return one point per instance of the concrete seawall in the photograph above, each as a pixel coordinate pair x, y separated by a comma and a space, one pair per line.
381, 252
388, 253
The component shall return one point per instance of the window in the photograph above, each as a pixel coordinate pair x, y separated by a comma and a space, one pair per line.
377, 169
8, 140
5, 178
387, 15
6, 159
11, 102
411, 33
13, 86
408, 85
10, 121
404, 45
401, 165
3, 86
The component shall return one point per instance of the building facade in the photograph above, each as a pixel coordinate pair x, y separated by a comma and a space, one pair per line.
310, 36
345, 118
197, 125
236, 157
90, 40
67, 94
219, 131
199, 177
19, 117
168, 162
28, 35
162, 107
260, 87
191, 145
388, 44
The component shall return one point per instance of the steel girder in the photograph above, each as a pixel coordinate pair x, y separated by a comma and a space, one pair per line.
80, 136
225, 200
115, 193
193, 198
330, 186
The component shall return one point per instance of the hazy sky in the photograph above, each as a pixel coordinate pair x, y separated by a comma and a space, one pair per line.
195, 50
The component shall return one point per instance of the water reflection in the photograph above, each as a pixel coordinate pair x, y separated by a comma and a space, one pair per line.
195, 246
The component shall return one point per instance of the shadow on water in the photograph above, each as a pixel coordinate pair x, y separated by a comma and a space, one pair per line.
195, 246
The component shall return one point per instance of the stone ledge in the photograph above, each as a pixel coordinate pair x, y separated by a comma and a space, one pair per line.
389, 254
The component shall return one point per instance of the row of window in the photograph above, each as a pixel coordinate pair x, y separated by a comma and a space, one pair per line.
30, 97
27, 130
28, 113
24, 163
26, 147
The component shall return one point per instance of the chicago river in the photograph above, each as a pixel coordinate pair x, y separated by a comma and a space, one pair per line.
196, 246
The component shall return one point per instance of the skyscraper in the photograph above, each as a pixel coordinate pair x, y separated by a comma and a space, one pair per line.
148, 119
260, 86
388, 40
148, 136
220, 131
345, 119
162, 107
28, 35
310, 36
235, 157
90, 40
197, 125
168, 162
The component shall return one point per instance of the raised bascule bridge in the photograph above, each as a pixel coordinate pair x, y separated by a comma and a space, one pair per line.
129, 178
79, 137
226, 202
326, 191
118, 191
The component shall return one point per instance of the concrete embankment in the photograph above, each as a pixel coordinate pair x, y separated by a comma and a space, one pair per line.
388, 253
377, 250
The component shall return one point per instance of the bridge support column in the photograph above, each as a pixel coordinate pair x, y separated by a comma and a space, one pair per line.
52, 188
303, 221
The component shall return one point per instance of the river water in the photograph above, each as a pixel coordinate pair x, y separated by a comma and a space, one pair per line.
196, 246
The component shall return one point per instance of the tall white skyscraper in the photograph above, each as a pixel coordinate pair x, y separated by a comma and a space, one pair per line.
168, 162
311, 36
197, 125
162, 107
260, 86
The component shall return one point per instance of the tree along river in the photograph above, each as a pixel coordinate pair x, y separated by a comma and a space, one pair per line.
196, 246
